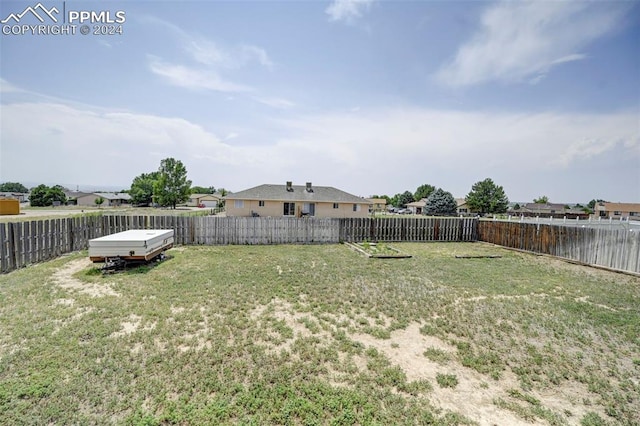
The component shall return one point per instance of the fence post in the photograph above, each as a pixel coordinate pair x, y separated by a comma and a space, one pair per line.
12, 247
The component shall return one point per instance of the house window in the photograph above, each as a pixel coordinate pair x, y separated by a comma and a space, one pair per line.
238, 204
260, 203
463, 211
634, 213
616, 213
289, 209
309, 209
356, 207
335, 205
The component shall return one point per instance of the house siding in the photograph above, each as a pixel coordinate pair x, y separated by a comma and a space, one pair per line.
618, 211
276, 209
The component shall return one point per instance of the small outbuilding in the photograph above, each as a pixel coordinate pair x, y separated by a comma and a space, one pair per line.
9, 206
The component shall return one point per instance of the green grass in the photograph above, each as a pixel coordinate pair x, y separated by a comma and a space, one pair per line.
267, 335
447, 380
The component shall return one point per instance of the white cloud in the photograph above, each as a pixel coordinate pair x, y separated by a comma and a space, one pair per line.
523, 40
6, 87
193, 78
254, 53
347, 10
211, 61
279, 103
209, 53
385, 150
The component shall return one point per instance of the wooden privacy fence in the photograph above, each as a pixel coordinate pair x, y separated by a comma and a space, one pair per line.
23, 243
409, 229
613, 248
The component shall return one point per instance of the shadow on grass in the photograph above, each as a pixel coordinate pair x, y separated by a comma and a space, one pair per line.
129, 268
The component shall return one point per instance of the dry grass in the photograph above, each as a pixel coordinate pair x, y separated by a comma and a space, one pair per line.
320, 335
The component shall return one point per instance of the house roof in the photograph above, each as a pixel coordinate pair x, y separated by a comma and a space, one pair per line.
538, 207
299, 193
622, 207
461, 202
217, 196
421, 203
75, 194
113, 195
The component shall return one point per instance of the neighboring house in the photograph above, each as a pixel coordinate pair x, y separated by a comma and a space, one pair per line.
295, 201
539, 209
111, 199
549, 210
417, 206
463, 208
205, 200
20, 196
377, 205
618, 210
72, 197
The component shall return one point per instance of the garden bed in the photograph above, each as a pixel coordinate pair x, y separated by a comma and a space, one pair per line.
378, 250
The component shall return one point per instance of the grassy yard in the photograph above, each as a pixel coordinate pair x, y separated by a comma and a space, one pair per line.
321, 335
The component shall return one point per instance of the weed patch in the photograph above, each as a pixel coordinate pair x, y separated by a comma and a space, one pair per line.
315, 335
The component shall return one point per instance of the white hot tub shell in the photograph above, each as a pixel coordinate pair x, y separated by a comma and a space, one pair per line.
136, 244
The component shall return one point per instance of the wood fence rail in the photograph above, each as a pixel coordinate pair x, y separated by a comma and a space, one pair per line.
24, 243
612, 248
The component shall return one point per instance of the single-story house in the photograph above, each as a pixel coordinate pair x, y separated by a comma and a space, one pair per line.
295, 201
462, 207
550, 210
20, 196
618, 210
377, 205
542, 209
72, 196
205, 200
417, 206
111, 199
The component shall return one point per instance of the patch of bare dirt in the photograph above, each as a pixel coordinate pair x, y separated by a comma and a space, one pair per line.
585, 299
475, 394
64, 278
128, 327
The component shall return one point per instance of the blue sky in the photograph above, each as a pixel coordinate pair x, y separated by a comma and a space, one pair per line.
372, 97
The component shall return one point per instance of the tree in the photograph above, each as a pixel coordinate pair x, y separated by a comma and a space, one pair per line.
172, 186
516, 206
38, 196
487, 197
43, 196
405, 198
423, 191
56, 193
13, 187
99, 201
141, 191
440, 203
203, 190
542, 200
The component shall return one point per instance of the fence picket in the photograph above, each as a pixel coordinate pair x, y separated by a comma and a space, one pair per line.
24, 243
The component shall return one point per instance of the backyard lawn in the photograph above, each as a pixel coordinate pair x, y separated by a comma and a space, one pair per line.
321, 334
